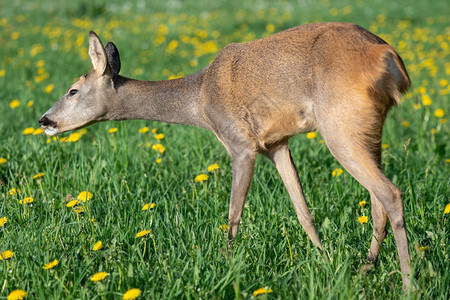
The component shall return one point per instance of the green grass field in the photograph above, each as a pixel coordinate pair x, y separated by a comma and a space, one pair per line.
183, 255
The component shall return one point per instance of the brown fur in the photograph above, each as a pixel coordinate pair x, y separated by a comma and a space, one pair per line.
336, 78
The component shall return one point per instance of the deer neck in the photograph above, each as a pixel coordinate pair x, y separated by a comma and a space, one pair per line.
171, 101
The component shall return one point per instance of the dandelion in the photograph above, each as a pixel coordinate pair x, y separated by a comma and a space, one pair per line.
154, 130
158, 160
417, 106
84, 196
28, 131
262, 291
2, 73
143, 130
3, 221
362, 203
78, 210
13, 192
72, 203
131, 294
98, 246
26, 200
39, 175
406, 124
270, 28
337, 172
73, 137
426, 100
443, 82
424, 248
222, 227
311, 135
3, 160
49, 88
159, 136
142, 233
201, 178
363, 219
14, 103
213, 167
112, 130
385, 146
50, 265
447, 209
98, 276
30, 103
439, 113
159, 147
6, 254
148, 205
17, 295
38, 131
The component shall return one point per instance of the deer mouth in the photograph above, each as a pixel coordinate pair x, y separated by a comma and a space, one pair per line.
48, 126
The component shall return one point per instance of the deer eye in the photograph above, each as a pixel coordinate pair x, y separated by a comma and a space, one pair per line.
73, 92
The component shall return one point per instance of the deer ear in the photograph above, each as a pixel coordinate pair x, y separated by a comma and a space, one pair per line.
97, 53
113, 58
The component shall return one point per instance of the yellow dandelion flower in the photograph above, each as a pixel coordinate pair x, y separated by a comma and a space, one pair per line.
154, 130
98, 246
443, 82
213, 167
73, 137
223, 227
38, 131
14, 103
131, 294
439, 113
49, 88
30, 103
433, 131
78, 210
406, 124
83, 131
28, 130
424, 248
84, 196
270, 27
442, 121
50, 265
158, 160
311, 135
362, 203
447, 209
72, 203
15, 35
426, 100
13, 192
26, 200
98, 276
262, 291
6, 254
3, 221
337, 172
39, 175
159, 147
3, 160
143, 130
159, 136
112, 130
363, 219
142, 233
385, 146
148, 205
2, 73
417, 106
201, 178
17, 295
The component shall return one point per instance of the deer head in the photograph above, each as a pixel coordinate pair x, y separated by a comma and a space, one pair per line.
86, 101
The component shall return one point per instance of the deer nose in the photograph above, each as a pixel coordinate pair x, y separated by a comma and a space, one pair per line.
44, 121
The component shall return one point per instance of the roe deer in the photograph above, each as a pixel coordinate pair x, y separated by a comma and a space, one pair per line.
336, 78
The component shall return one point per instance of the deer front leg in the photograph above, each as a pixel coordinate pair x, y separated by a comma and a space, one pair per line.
243, 163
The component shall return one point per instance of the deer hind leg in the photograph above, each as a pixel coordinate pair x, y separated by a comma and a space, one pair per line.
282, 159
354, 138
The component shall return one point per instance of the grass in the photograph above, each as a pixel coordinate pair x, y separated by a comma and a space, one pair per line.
44, 50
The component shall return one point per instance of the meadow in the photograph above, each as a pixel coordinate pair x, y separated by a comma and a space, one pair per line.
118, 210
